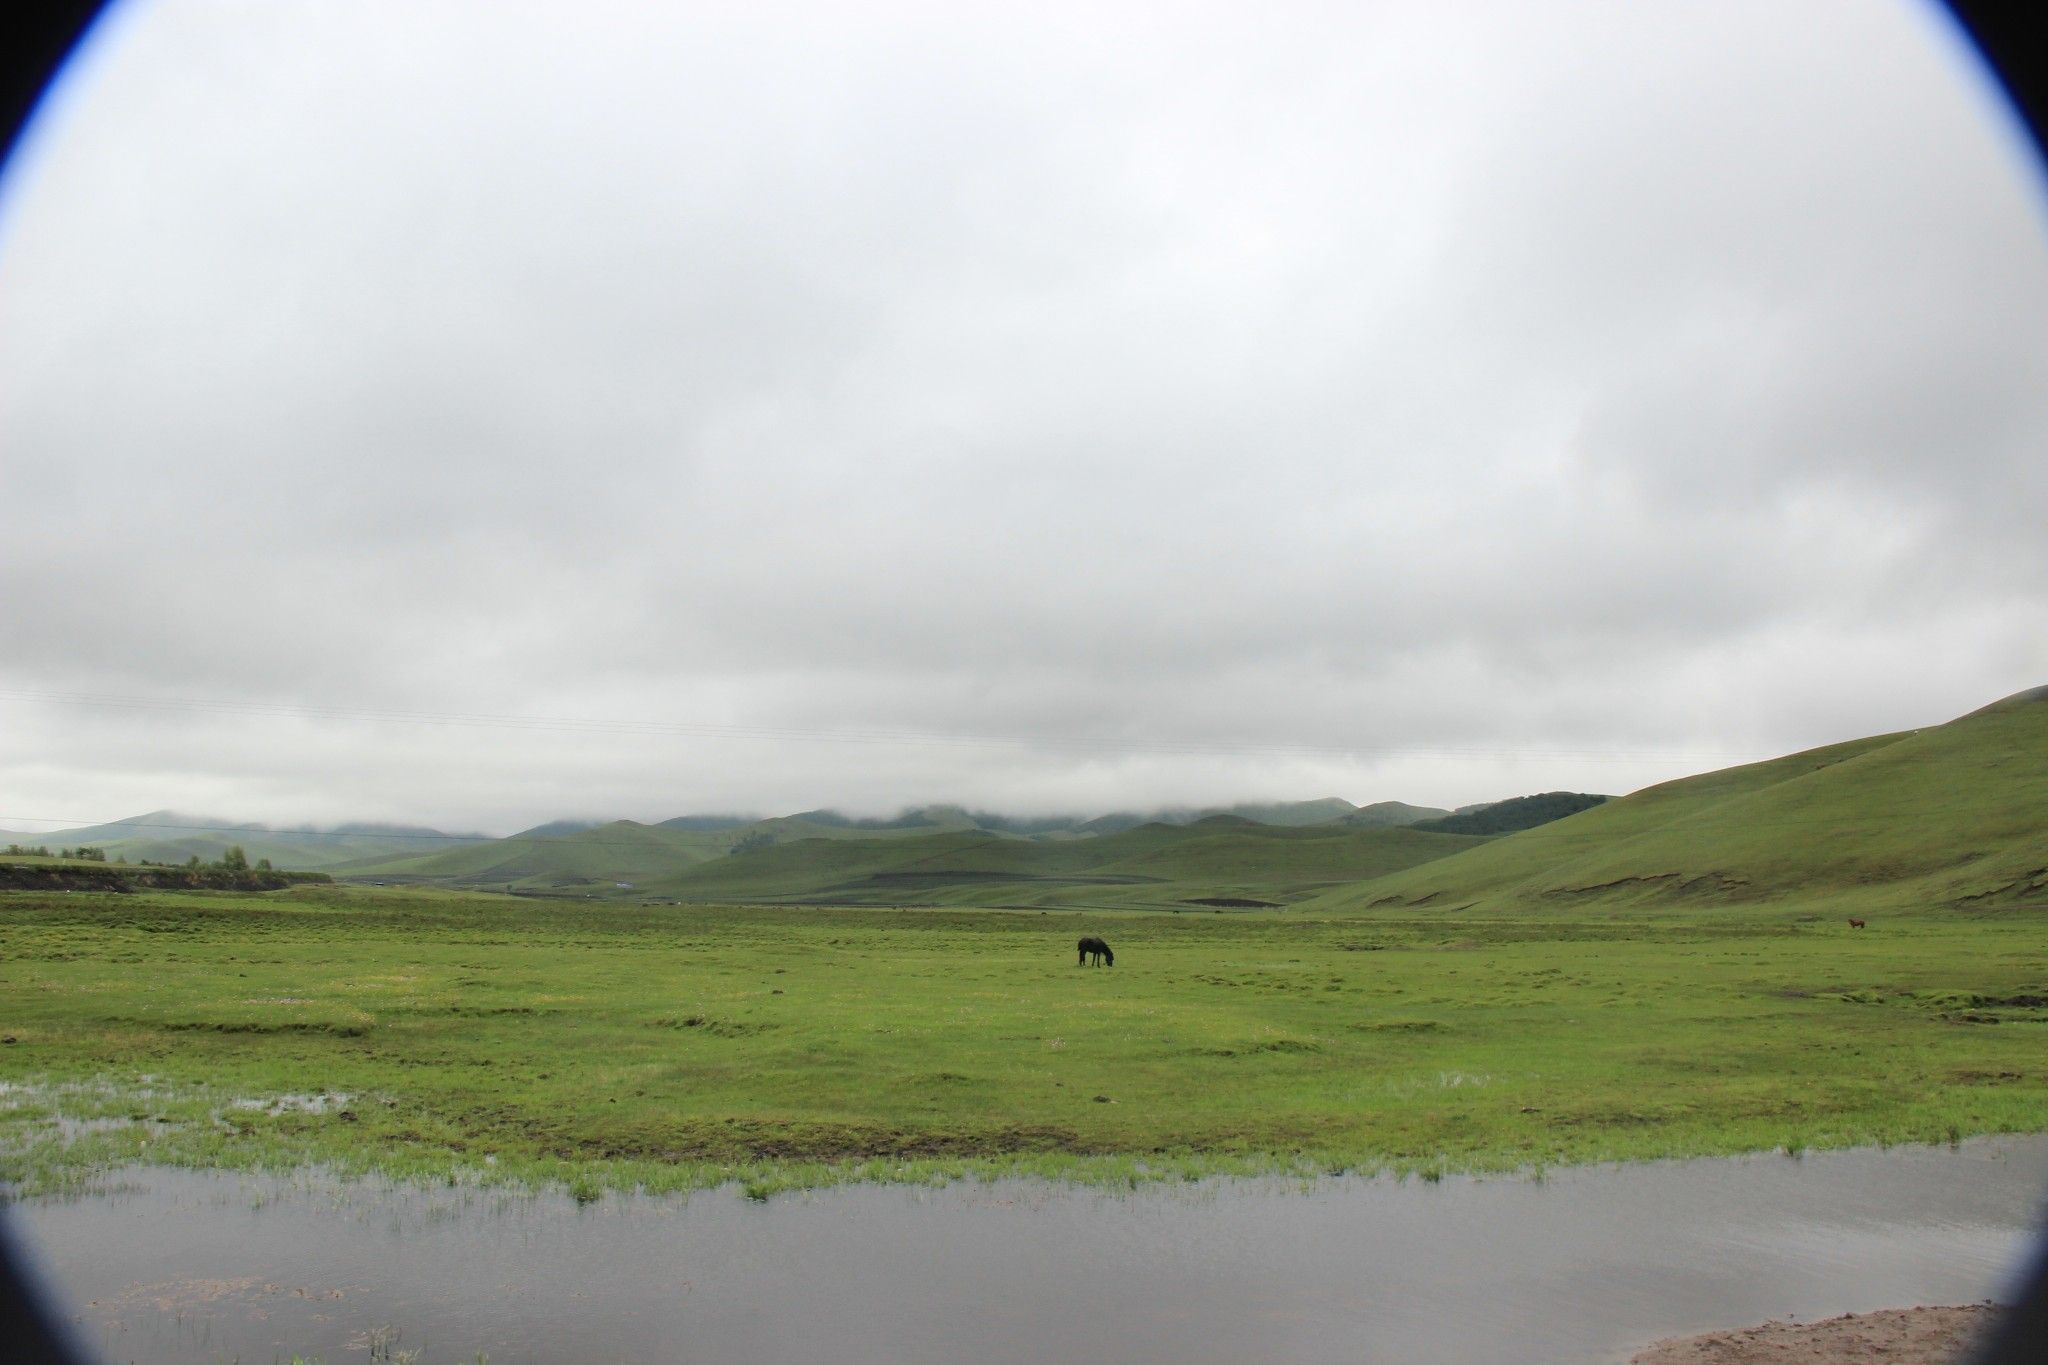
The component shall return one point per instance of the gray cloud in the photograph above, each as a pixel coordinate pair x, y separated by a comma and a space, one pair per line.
1169, 404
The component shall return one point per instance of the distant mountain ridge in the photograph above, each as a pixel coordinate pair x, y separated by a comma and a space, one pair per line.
166, 836
611, 855
707, 824
1216, 862
672, 857
1519, 812
1950, 815
1384, 813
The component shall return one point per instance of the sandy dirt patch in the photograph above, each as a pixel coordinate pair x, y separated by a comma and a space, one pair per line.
1907, 1336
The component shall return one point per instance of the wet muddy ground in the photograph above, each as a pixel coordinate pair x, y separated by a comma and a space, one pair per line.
1586, 1265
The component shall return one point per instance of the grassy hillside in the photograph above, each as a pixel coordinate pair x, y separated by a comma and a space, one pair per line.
169, 837
1391, 813
597, 859
1950, 815
621, 851
788, 828
1520, 812
1323, 810
1268, 855
925, 857
1315, 812
1219, 859
575, 855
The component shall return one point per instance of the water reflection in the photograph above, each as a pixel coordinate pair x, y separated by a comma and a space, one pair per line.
1584, 1266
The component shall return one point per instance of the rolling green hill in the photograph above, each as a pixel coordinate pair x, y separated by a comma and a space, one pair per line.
1952, 815
622, 851
1317, 812
1384, 813
168, 837
599, 858
573, 856
1520, 812
1221, 861
1320, 811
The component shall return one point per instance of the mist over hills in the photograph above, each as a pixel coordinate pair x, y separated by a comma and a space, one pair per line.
1950, 814
942, 816
1518, 812
1217, 862
1250, 851
554, 829
166, 836
945, 816
709, 823
1382, 813
1947, 815
659, 859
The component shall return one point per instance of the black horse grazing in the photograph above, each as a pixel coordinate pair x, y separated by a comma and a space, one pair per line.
1097, 949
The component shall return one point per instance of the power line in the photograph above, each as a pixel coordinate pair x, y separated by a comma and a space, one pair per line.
72, 822
904, 832
715, 730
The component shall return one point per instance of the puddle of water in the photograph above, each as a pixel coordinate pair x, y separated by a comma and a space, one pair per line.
14, 1093
293, 1103
1584, 1266
68, 1129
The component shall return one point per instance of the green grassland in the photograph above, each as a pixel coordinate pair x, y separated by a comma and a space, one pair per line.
475, 1037
1669, 973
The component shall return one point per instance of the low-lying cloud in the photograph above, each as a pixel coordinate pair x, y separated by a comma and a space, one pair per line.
1044, 410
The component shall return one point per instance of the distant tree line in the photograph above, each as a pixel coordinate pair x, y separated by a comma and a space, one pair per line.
233, 860
232, 871
82, 854
1505, 817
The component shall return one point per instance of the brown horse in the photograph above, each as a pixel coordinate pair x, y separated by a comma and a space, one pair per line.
1092, 947
1855, 924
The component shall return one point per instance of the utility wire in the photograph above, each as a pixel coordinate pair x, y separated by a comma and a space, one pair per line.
72, 823
712, 730
891, 835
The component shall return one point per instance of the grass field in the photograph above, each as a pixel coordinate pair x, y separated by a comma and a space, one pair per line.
447, 1035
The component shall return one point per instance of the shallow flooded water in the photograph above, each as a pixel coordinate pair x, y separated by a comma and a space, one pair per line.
1583, 1266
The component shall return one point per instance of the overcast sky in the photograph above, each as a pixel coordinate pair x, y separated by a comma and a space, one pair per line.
475, 413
